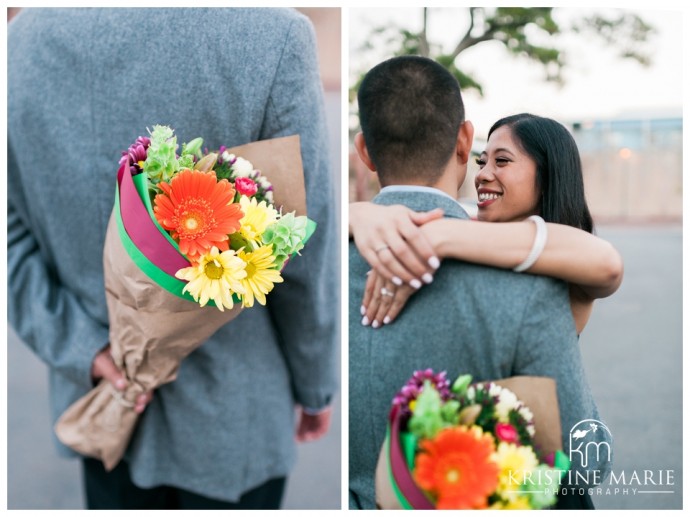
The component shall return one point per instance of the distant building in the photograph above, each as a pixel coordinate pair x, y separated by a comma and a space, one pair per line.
633, 165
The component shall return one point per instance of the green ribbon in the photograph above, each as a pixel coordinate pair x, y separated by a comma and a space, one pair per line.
157, 275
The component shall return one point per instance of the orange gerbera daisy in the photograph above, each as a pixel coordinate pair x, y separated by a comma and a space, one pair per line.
457, 468
198, 211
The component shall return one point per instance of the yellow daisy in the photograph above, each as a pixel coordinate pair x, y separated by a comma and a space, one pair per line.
514, 462
257, 217
216, 276
260, 275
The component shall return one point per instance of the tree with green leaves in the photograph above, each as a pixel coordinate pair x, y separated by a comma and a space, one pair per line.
517, 28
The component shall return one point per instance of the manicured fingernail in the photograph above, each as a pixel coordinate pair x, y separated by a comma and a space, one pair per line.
435, 262
386, 320
397, 281
120, 384
362, 310
369, 272
365, 321
376, 324
416, 284
428, 278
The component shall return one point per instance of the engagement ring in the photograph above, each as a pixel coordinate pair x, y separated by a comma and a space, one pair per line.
386, 292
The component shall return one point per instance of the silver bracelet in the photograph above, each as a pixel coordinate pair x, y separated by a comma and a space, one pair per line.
537, 247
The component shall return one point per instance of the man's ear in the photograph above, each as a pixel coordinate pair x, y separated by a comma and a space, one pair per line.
361, 147
464, 142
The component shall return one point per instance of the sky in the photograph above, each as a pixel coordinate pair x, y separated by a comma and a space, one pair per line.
598, 84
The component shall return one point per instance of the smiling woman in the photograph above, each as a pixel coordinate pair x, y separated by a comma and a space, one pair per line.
533, 164
530, 167
506, 184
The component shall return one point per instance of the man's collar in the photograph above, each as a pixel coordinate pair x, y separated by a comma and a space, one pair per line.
416, 188
420, 199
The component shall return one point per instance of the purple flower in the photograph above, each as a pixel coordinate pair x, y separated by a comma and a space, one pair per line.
221, 150
411, 390
136, 154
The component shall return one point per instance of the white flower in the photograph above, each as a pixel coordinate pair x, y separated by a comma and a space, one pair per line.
242, 168
227, 157
269, 197
506, 401
494, 390
526, 413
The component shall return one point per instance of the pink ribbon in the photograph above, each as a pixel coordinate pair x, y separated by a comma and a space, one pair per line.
142, 230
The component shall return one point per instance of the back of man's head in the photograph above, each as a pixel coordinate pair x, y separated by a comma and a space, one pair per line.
410, 112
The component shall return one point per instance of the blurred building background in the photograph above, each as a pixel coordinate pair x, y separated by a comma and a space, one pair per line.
633, 166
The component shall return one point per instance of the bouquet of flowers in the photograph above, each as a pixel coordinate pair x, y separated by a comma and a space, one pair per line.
194, 238
471, 446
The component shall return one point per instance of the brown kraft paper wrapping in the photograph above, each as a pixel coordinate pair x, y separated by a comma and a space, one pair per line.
537, 393
151, 329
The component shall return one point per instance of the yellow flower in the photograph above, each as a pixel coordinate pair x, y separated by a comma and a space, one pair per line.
216, 276
514, 462
257, 217
260, 275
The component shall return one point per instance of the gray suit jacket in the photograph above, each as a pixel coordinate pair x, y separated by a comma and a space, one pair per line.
473, 319
82, 85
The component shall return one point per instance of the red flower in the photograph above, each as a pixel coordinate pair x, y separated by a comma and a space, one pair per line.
246, 186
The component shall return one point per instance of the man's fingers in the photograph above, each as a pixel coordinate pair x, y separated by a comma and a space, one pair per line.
142, 401
104, 367
313, 427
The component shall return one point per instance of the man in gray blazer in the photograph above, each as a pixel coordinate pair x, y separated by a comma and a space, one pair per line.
472, 319
82, 85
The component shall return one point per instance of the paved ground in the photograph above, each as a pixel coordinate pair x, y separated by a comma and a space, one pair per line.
633, 354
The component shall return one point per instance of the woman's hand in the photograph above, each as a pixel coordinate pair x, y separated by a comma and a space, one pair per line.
389, 239
383, 300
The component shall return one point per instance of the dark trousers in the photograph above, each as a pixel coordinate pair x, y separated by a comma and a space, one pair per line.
114, 490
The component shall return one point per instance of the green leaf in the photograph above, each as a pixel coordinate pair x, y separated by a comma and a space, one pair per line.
461, 384
426, 420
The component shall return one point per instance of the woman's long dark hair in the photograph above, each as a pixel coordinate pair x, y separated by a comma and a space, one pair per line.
559, 169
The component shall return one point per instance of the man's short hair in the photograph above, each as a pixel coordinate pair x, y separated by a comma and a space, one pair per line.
410, 112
